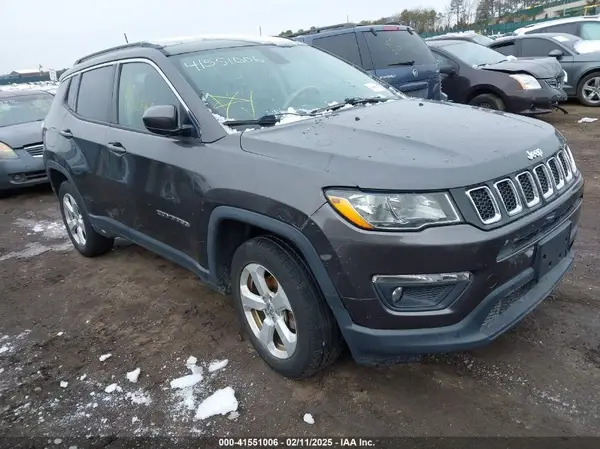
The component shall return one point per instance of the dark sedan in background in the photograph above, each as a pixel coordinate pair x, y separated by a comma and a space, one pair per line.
579, 58
465, 36
477, 75
21, 150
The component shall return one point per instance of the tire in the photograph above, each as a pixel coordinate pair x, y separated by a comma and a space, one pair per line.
93, 244
318, 340
5, 194
580, 92
488, 101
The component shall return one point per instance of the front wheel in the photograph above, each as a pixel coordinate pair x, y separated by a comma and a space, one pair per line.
588, 89
84, 238
488, 101
282, 310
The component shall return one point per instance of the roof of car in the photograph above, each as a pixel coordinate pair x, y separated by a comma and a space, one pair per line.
570, 37
547, 23
21, 92
446, 42
180, 45
348, 28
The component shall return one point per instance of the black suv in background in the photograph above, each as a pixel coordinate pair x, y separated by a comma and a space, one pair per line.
324, 201
394, 53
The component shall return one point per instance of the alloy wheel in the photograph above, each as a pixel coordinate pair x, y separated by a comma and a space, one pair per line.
268, 311
591, 90
74, 219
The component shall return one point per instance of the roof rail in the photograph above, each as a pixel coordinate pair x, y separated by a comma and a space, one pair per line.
320, 29
118, 47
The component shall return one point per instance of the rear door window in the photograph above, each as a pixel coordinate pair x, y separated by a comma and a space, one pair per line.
590, 31
344, 46
396, 47
95, 94
537, 47
506, 48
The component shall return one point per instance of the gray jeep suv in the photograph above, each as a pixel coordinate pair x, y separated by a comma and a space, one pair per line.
332, 207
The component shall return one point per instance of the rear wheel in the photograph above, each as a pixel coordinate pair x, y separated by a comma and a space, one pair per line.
588, 90
488, 101
84, 238
282, 310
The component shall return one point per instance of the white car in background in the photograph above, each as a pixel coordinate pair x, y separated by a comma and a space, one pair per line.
585, 27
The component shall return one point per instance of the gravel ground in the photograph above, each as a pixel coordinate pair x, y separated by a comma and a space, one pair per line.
59, 312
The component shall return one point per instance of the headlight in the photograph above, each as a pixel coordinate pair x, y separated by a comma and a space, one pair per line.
527, 82
571, 159
7, 152
565, 77
402, 211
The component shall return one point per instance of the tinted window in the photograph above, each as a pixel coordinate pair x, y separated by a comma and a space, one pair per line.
393, 47
443, 60
343, 45
24, 109
249, 82
72, 92
537, 47
569, 28
141, 86
95, 94
590, 30
507, 49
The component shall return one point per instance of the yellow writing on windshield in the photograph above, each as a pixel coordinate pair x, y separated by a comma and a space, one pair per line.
224, 103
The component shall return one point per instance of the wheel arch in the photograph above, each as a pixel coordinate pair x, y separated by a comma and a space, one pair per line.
224, 216
481, 89
57, 175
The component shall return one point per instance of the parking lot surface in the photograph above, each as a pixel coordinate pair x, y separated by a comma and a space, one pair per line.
60, 312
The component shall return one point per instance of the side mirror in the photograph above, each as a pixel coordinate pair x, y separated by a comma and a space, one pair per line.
448, 69
556, 53
162, 119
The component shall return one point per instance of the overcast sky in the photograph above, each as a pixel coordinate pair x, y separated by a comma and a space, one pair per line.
54, 33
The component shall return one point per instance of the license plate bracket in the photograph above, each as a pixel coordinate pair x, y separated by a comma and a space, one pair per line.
552, 249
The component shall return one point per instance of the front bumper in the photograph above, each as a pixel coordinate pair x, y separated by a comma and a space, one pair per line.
535, 102
24, 171
503, 288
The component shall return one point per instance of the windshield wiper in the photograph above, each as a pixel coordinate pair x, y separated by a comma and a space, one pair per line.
409, 62
265, 120
349, 101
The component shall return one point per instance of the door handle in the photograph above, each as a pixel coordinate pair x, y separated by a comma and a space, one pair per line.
66, 133
116, 148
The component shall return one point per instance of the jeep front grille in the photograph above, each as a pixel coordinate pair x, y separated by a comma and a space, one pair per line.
513, 195
485, 204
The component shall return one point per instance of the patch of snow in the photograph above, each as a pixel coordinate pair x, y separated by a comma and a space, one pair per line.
233, 416
308, 418
52, 230
72, 447
83, 377
587, 120
220, 402
2, 370
57, 441
112, 387
64, 384
4, 349
60, 334
191, 365
186, 381
139, 397
104, 357
134, 420
217, 365
35, 249
132, 376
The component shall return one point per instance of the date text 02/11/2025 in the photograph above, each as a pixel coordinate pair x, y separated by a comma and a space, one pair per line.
297, 442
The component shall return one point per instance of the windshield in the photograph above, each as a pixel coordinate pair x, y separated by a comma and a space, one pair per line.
474, 54
392, 47
244, 83
482, 40
24, 109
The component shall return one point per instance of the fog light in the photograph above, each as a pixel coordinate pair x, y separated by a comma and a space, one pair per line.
420, 292
397, 294
19, 177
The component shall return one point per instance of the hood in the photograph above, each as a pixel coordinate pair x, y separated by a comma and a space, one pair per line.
23, 134
537, 67
407, 144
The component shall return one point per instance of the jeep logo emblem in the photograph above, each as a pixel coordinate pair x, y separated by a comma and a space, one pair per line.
415, 72
534, 154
